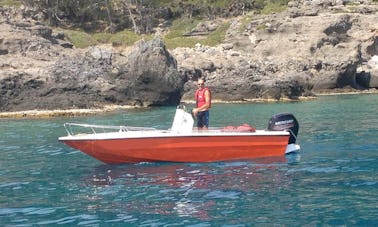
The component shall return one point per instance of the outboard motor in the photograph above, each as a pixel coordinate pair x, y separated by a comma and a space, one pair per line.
285, 121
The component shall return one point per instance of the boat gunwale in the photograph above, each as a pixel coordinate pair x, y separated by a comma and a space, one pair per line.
169, 134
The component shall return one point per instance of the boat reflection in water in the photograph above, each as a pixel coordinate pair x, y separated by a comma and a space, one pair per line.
188, 189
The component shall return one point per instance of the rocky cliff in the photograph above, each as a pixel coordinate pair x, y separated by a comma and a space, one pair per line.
314, 46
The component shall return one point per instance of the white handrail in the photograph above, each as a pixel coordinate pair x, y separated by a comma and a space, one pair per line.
122, 128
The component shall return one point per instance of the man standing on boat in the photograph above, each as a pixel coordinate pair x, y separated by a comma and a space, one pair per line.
203, 104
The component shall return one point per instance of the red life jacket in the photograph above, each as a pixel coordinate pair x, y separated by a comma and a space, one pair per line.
200, 97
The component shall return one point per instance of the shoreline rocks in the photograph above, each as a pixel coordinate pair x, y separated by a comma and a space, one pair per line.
33, 114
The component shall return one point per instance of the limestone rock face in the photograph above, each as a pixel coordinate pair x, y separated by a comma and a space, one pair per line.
367, 74
153, 78
313, 47
38, 73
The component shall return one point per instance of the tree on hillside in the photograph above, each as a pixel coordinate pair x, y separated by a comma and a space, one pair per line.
134, 12
141, 16
61, 12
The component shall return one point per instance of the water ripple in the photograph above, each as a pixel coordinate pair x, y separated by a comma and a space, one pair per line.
333, 181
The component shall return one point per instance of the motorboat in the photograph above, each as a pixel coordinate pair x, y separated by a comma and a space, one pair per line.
182, 142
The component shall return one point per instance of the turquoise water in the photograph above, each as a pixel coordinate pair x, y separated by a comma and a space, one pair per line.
333, 181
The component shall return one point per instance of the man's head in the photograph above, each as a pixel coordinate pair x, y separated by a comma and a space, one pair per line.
201, 82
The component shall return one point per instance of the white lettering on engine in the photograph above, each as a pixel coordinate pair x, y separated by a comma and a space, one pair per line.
284, 122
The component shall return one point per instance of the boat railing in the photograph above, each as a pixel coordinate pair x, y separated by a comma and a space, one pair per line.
94, 129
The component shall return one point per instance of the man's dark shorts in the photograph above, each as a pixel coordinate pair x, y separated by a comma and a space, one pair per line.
203, 119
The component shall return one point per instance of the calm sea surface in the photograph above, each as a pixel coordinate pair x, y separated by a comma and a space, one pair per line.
333, 181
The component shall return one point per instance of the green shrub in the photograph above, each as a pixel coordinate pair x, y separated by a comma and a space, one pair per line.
180, 42
102, 37
123, 38
80, 39
175, 6
274, 6
217, 36
181, 26
10, 3
175, 38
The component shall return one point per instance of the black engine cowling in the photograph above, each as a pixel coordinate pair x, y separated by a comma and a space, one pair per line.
285, 121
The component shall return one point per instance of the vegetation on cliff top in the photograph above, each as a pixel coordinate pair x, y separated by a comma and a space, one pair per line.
122, 22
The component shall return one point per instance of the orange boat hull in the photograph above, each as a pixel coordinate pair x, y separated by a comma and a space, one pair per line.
182, 149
